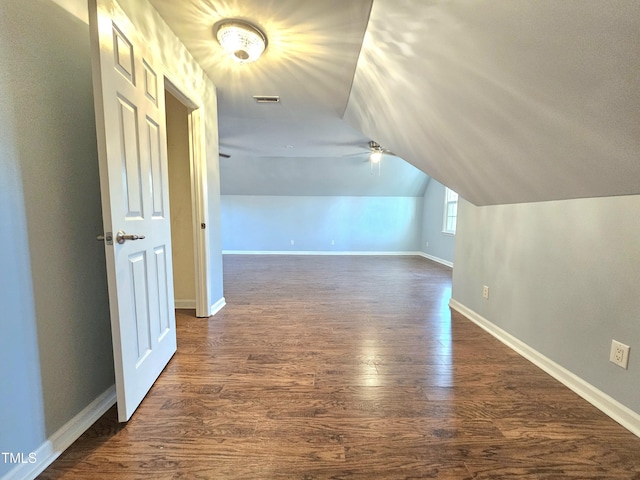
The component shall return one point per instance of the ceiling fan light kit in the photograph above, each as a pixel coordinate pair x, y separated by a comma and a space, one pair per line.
376, 152
375, 156
241, 40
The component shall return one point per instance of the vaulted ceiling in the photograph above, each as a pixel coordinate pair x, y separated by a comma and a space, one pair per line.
503, 101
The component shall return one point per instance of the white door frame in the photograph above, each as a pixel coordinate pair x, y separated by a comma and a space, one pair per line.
199, 205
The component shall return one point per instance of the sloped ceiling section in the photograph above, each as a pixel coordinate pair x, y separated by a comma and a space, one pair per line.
506, 101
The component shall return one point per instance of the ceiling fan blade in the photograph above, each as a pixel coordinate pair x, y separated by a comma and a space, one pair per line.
357, 154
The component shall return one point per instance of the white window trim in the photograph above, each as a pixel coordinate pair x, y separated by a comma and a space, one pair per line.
449, 200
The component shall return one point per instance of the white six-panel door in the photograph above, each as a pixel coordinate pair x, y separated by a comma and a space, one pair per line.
130, 120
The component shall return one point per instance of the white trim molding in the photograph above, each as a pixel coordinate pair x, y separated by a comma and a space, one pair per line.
190, 304
216, 307
622, 414
441, 261
314, 252
57, 443
212, 310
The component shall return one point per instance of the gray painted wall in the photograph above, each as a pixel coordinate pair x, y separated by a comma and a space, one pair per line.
382, 224
269, 223
21, 412
441, 245
345, 176
56, 341
563, 278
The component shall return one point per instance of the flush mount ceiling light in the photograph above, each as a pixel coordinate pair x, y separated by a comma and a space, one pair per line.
241, 40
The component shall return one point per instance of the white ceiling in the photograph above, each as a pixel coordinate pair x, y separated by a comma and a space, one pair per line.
301, 145
504, 101
313, 48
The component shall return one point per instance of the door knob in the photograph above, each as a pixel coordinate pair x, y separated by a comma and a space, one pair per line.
122, 237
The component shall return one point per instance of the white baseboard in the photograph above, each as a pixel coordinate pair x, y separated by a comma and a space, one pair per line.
190, 304
596, 397
216, 307
441, 261
313, 252
57, 443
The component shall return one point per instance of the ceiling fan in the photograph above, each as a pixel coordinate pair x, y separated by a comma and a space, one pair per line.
377, 150
373, 154
376, 153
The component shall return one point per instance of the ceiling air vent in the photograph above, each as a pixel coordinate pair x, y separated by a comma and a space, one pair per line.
267, 98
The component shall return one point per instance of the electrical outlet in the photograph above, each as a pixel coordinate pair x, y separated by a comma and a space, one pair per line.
292, 242
426, 244
619, 354
333, 242
485, 292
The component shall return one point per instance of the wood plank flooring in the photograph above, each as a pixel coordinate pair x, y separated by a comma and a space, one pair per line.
349, 368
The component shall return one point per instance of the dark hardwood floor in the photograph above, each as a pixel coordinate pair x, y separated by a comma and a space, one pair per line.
349, 368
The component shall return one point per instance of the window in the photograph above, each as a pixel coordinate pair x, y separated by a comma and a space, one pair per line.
450, 211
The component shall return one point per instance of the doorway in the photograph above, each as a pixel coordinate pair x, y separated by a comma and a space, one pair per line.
180, 204
187, 234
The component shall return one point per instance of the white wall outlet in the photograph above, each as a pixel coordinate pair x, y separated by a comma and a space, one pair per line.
426, 244
619, 354
485, 292
333, 242
292, 242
